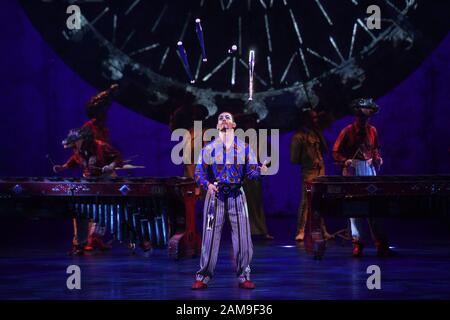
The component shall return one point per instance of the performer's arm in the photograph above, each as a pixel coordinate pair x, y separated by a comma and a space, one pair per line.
201, 171
252, 170
71, 163
376, 154
112, 156
338, 148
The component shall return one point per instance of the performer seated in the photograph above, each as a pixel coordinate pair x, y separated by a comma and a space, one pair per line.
222, 176
307, 149
97, 159
358, 150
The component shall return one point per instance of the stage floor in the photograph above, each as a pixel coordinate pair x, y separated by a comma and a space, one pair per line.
281, 270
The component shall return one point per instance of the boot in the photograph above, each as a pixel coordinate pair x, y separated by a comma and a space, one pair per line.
90, 239
199, 285
247, 284
300, 236
89, 246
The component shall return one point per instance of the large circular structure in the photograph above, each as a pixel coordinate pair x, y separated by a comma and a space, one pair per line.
307, 53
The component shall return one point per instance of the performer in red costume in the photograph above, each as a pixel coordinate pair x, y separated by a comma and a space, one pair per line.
97, 159
358, 150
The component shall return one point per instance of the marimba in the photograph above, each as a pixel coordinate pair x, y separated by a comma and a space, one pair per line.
373, 196
159, 210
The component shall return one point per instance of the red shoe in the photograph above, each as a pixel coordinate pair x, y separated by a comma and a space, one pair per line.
247, 284
357, 249
199, 285
383, 250
90, 244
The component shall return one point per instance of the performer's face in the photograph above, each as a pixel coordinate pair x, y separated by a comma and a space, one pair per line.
363, 117
314, 118
366, 112
225, 121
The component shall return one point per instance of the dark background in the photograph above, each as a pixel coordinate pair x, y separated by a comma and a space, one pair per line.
42, 99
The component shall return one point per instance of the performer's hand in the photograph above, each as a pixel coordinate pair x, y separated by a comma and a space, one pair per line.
264, 168
114, 87
348, 163
212, 188
58, 168
370, 162
108, 169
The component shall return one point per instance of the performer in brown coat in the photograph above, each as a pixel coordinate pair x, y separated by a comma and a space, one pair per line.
307, 149
253, 188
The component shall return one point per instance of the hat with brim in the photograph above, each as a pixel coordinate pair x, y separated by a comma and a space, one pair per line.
76, 135
364, 106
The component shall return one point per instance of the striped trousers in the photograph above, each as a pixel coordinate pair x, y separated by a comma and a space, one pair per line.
217, 207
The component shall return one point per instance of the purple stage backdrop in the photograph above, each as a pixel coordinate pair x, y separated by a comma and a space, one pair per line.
42, 99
